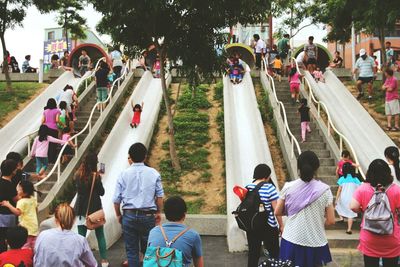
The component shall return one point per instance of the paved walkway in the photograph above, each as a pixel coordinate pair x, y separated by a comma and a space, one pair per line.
216, 255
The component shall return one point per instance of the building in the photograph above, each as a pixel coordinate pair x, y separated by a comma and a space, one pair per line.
369, 42
244, 34
56, 43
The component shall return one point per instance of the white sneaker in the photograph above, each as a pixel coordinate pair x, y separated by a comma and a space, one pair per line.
105, 264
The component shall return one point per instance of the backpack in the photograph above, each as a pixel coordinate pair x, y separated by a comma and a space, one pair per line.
164, 256
251, 215
378, 217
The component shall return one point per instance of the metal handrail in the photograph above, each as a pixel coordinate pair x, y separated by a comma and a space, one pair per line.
342, 137
28, 136
293, 140
88, 125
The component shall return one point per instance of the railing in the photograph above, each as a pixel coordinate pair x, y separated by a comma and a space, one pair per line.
87, 126
30, 135
293, 141
330, 125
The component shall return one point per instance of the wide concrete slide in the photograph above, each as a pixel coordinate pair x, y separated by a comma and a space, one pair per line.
114, 152
29, 119
365, 135
245, 147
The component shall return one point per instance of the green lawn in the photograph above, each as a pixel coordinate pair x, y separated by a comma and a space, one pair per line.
22, 92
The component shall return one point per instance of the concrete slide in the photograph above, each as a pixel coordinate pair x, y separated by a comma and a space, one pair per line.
245, 147
29, 119
114, 153
350, 117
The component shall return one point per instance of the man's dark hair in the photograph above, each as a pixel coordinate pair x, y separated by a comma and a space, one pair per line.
311, 38
175, 209
388, 43
16, 237
256, 37
137, 152
14, 156
28, 57
337, 52
286, 35
8, 166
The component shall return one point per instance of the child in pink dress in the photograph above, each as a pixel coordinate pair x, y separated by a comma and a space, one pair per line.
137, 111
157, 68
294, 80
318, 76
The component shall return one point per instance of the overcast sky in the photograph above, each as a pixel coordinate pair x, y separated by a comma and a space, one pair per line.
29, 38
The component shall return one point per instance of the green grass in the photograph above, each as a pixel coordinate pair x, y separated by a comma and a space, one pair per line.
22, 92
378, 100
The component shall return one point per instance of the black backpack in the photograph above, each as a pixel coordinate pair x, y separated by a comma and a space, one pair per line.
251, 215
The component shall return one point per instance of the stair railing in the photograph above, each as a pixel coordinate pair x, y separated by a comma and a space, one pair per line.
293, 141
88, 125
29, 137
330, 124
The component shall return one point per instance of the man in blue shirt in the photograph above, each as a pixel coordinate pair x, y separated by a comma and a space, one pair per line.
139, 194
189, 243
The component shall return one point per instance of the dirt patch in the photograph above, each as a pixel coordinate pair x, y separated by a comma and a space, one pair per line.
21, 106
274, 147
378, 117
213, 191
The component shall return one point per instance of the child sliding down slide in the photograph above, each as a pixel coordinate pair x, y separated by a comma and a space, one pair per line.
137, 111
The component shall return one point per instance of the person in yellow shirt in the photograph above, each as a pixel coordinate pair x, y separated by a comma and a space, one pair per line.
26, 209
277, 67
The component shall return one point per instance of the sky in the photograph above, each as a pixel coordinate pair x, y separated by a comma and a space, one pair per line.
29, 38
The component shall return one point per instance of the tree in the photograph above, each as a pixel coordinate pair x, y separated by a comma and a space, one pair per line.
68, 16
181, 29
12, 13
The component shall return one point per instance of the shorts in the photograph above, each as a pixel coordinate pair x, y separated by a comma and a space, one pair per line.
102, 94
392, 107
68, 150
312, 61
365, 79
277, 71
294, 88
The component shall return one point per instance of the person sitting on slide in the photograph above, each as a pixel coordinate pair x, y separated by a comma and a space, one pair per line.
237, 72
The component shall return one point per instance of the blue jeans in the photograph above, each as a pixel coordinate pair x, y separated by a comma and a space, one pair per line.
41, 163
136, 230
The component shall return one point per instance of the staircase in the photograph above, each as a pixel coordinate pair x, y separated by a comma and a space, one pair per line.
315, 141
82, 114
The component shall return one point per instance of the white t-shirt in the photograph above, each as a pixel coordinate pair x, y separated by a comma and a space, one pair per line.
260, 46
116, 56
307, 227
67, 96
300, 57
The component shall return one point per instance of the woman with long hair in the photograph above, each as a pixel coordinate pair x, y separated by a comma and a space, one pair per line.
373, 246
392, 158
51, 117
62, 247
83, 182
308, 205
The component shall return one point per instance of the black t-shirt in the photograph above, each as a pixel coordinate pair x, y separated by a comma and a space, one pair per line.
304, 113
338, 61
101, 77
7, 192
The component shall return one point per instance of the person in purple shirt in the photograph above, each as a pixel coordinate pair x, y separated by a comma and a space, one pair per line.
51, 116
62, 247
139, 193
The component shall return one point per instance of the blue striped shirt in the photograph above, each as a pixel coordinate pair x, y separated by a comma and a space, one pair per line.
268, 194
365, 67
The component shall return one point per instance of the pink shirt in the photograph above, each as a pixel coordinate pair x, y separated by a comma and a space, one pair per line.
318, 74
392, 83
40, 149
50, 116
65, 137
295, 78
340, 165
373, 245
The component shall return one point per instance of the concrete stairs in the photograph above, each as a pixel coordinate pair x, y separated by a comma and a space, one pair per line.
82, 114
315, 141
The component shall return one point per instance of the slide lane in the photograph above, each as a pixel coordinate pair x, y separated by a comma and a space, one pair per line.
350, 117
114, 152
30, 118
246, 146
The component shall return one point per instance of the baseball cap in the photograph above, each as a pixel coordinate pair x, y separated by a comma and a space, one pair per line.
362, 52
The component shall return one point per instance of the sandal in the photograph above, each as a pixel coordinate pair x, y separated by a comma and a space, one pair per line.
388, 128
349, 232
395, 129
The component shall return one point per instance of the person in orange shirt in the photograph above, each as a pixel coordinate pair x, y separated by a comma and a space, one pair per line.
277, 67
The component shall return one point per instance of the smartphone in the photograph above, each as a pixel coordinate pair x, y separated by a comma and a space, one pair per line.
102, 167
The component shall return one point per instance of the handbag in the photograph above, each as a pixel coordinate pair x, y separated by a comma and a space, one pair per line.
97, 218
164, 256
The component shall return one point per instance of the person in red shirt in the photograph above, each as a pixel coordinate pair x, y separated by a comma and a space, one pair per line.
17, 256
137, 111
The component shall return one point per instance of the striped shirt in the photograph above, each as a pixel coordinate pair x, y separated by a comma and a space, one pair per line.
365, 67
267, 195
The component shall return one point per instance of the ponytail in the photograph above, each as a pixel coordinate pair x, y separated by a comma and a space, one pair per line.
392, 153
308, 164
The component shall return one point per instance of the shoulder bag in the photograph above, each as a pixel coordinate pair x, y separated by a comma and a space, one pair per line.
97, 218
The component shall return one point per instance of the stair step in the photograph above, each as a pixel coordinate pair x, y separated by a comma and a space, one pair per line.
339, 238
312, 145
330, 180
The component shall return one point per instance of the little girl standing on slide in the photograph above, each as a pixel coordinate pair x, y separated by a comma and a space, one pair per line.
137, 111
294, 80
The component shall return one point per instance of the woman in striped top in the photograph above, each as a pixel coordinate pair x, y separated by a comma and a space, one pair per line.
270, 234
